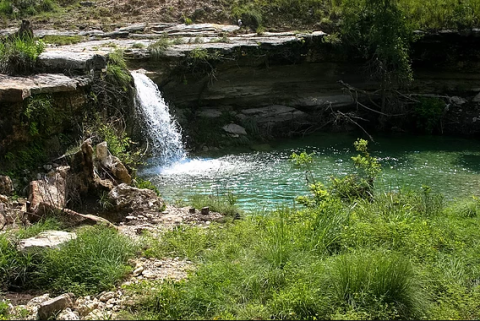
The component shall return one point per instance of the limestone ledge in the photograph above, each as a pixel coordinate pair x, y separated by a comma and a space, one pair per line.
16, 89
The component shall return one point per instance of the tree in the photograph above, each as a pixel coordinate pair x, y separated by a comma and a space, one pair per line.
382, 34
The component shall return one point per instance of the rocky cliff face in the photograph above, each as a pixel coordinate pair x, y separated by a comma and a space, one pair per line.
220, 74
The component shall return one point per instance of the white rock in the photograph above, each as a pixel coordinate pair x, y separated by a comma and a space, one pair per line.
234, 129
458, 100
476, 99
49, 308
107, 296
51, 239
68, 314
138, 271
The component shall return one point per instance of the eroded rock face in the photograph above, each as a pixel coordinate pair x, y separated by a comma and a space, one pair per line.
82, 167
128, 199
6, 185
16, 89
51, 190
50, 239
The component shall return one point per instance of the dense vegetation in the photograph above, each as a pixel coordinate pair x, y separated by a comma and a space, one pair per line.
326, 14
396, 255
349, 253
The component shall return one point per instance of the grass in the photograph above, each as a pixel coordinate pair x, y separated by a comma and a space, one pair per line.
95, 261
225, 204
386, 258
328, 13
157, 49
18, 56
43, 225
62, 40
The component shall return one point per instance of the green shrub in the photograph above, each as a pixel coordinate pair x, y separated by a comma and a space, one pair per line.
19, 56
23, 8
42, 118
429, 112
4, 315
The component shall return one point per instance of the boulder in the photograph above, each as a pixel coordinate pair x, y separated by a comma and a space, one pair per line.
68, 314
3, 219
50, 239
234, 129
275, 117
50, 190
49, 308
129, 199
6, 185
112, 164
476, 99
82, 167
209, 113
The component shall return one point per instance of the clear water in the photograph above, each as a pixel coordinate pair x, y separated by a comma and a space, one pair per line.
163, 130
266, 179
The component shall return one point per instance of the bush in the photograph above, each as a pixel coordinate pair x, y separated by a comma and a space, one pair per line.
19, 56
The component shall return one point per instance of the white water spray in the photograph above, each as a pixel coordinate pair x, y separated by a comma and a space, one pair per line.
163, 130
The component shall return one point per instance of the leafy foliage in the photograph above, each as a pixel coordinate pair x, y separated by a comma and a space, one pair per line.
117, 71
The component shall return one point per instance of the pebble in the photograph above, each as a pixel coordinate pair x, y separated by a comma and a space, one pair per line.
138, 271
107, 296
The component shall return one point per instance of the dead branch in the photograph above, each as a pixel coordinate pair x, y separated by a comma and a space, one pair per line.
349, 118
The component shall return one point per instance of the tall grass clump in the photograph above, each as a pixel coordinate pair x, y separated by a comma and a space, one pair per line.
378, 285
15, 267
95, 261
19, 56
157, 49
222, 203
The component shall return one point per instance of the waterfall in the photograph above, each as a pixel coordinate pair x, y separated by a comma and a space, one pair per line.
163, 130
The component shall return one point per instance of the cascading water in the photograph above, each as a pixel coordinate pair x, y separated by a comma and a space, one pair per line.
164, 131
